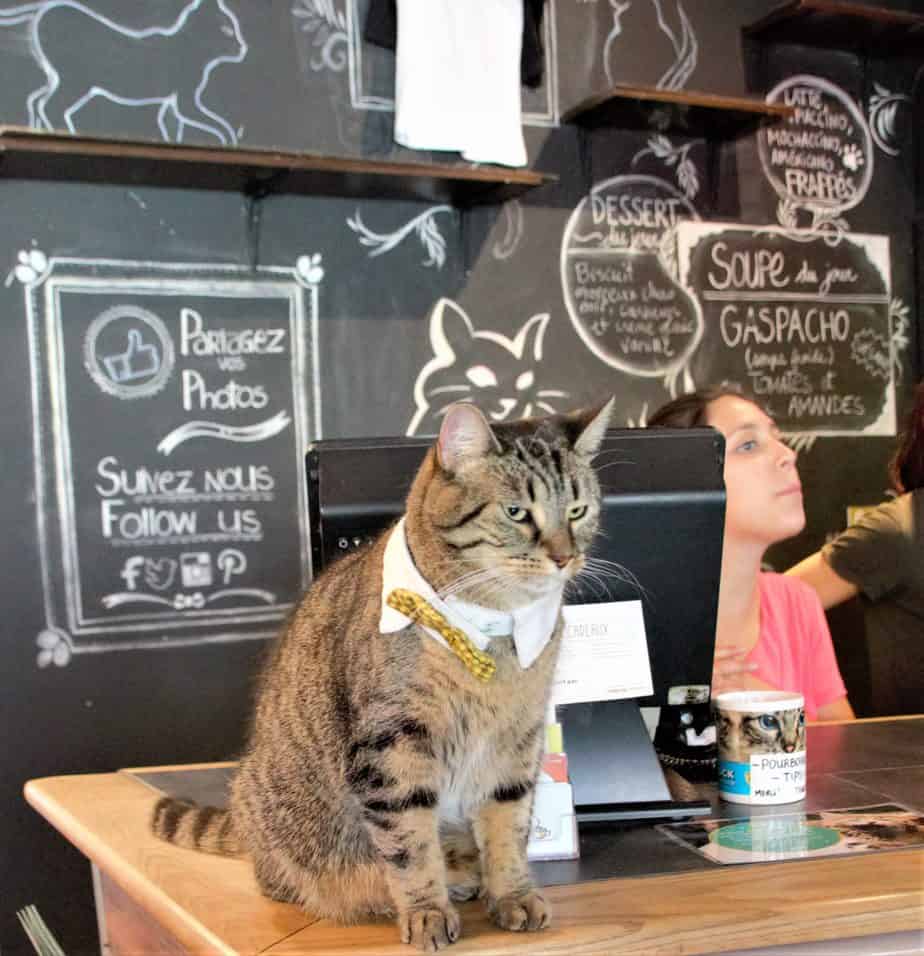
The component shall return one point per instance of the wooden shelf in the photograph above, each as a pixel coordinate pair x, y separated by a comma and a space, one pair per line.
705, 115
840, 25
31, 154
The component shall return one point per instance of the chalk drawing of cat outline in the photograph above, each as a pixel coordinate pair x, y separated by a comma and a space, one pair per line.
527, 344
185, 104
686, 46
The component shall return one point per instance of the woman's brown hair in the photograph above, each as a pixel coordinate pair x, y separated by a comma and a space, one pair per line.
689, 410
906, 469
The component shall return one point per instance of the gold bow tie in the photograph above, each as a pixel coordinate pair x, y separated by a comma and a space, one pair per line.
413, 606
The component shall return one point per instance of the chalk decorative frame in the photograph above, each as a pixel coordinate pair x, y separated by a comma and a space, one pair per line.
67, 631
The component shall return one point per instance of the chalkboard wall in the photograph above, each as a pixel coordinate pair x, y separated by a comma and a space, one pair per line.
165, 355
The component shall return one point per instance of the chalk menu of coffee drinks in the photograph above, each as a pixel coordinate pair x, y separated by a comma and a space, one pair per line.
173, 407
801, 319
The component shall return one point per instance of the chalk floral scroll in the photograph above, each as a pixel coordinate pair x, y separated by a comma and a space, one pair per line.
326, 23
424, 226
509, 242
678, 157
884, 107
501, 375
900, 317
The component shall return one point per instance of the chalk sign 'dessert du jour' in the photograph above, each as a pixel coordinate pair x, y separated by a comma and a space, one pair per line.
619, 280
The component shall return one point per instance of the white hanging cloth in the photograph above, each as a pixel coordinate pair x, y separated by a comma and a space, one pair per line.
457, 78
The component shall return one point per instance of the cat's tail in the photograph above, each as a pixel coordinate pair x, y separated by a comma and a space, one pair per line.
10, 16
186, 824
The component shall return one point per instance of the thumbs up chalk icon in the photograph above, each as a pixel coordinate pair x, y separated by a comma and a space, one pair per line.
138, 361
128, 352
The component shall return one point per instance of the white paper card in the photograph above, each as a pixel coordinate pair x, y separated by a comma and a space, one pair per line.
604, 654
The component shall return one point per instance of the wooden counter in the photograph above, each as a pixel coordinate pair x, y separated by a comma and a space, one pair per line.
154, 897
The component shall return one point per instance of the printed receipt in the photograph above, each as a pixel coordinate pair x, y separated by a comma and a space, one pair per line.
604, 654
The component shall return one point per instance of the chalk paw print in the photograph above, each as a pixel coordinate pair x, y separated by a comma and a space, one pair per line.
852, 157
309, 268
30, 264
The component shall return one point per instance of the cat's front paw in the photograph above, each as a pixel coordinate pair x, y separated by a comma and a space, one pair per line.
521, 912
430, 927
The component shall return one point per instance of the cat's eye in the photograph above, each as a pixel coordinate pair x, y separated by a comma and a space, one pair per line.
516, 513
768, 722
576, 512
481, 376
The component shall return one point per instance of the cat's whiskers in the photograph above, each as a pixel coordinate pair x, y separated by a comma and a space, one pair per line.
586, 576
468, 582
484, 586
618, 571
592, 574
462, 578
507, 579
434, 572
610, 464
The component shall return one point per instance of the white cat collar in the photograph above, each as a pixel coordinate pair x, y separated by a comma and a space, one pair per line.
532, 626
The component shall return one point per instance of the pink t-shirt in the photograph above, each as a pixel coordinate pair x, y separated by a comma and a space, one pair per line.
794, 651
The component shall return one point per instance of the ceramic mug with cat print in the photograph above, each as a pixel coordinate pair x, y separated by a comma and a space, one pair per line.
761, 737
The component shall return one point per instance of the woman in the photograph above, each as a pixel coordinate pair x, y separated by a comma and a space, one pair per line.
881, 558
771, 631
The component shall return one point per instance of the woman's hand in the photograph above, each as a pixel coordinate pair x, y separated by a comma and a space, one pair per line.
731, 670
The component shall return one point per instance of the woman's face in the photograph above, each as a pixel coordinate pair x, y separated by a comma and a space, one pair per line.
763, 491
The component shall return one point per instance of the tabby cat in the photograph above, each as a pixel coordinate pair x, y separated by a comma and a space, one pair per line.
742, 734
383, 775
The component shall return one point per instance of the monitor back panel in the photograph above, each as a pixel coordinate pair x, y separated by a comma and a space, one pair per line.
662, 520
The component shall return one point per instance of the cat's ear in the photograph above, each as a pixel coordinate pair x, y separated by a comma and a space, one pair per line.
589, 427
451, 330
465, 435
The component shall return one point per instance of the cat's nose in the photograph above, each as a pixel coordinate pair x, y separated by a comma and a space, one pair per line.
558, 547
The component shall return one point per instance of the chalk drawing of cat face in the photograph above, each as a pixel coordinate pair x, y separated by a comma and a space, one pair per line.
498, 374
167, 66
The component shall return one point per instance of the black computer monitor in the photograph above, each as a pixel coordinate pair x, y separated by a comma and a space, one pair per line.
662, 519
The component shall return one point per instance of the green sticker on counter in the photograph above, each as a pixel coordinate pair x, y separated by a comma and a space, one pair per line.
775, 836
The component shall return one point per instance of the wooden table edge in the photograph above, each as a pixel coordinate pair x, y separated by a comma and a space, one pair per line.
196, 937
903, 909
179, 767
863, 720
